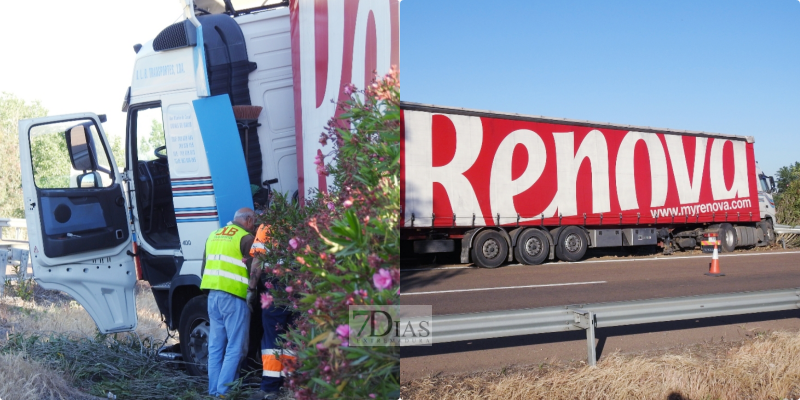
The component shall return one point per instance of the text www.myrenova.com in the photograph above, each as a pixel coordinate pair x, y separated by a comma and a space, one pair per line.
701, 208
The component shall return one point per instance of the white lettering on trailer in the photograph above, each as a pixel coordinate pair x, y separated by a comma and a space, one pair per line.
626, 184
740, 185
688, 188
502, 187
568, 162
315, 118
419, 163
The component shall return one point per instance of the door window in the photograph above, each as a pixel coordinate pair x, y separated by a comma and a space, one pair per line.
69, 154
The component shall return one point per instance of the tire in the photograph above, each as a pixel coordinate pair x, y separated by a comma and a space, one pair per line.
727, 238
489, 249
769, 231
572, 244
532, 247
194, 329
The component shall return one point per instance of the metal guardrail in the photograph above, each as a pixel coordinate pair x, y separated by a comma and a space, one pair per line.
495, 324
12, 256
786, 229
17, 224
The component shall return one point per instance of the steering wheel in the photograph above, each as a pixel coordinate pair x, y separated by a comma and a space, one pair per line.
158, 154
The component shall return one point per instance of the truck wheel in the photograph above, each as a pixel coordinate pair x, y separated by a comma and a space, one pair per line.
489, 250
532, 247
768, 229
727, 238
194, 330
572, 244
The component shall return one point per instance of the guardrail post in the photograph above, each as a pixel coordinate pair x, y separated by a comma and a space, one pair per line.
586, 320
3, 266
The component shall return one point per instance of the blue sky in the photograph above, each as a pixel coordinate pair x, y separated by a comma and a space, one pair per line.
718, 66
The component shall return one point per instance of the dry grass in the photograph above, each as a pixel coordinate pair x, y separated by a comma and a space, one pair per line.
26, 379
765, 367
56, 313
59, 313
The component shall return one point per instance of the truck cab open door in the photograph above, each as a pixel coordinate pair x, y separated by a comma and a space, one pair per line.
75, 207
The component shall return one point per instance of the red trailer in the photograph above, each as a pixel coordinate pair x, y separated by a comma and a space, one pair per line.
503, 187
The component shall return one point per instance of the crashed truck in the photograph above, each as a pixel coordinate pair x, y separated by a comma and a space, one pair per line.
99, 225
498, 187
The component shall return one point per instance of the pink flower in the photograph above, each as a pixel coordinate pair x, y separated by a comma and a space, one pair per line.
289, 289
266, 300
268, 285
330, 206
293, 242
372, 395
382, 279
343, 331
345, 343
348, 203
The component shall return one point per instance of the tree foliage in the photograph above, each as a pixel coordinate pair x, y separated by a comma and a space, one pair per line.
13, 109
787, 200
50, 159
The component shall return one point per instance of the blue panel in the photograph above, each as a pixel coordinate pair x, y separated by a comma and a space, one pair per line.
225, 155
83, 217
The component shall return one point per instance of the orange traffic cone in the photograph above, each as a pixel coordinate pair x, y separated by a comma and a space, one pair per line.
713, 269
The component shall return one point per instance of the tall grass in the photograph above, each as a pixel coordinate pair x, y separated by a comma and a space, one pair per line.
50, 349
765, 367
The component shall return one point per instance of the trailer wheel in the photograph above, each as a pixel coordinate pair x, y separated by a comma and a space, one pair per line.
532, 247
572, 244
489, 249
768, 229
727, 238
194, 329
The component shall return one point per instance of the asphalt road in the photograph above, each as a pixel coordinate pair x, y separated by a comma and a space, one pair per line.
455, 289
451, 289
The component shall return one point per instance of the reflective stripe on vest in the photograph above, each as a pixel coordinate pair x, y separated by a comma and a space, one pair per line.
274, 360
224, 268
261, 238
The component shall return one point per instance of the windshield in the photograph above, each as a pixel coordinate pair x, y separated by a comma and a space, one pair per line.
764, 185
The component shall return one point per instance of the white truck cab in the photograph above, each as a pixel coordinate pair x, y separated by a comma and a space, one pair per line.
210, 128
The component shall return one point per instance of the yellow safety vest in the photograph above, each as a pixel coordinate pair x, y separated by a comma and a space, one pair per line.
224, 268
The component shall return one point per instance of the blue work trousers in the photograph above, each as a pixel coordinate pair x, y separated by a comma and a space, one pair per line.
229, 318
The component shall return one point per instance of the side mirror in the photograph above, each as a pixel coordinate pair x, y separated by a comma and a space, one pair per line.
90, 180
81, 148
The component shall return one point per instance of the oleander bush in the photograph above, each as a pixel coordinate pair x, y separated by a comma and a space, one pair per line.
341, 248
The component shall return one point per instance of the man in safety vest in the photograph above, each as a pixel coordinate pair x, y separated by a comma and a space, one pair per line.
275, 320
226, 273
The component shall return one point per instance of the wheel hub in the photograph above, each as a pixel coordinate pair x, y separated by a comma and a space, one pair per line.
491, 249
198, 345
572, 243
533, 246
729, 238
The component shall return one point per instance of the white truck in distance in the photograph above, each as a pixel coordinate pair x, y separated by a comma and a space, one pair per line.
242, 97
507, 187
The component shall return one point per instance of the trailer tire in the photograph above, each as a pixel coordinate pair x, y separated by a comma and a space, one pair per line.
727, 238
489, 249
532, 247
194, 329
572, 244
